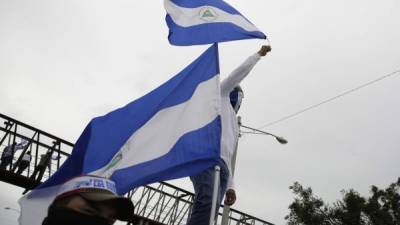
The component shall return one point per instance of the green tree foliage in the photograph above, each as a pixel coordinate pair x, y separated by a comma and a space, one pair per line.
382, 207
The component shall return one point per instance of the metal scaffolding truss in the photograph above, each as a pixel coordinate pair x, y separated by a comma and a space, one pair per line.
39, 143
168, 204
158, 203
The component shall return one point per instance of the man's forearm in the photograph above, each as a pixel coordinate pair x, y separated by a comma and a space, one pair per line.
229, 83
231, 183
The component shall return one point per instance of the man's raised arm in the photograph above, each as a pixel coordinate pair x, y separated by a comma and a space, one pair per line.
229, 83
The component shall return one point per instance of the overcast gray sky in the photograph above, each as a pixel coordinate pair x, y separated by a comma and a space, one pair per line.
65, 62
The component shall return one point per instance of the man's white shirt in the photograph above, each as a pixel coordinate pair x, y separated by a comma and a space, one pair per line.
230, 128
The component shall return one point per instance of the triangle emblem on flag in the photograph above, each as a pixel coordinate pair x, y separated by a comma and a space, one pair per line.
208, 14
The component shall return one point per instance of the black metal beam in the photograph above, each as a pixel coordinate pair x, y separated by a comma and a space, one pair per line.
17, 180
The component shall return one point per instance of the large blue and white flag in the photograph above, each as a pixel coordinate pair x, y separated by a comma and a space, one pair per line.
206, 21
172, 132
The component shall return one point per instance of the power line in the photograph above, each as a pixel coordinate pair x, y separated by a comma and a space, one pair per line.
330, 99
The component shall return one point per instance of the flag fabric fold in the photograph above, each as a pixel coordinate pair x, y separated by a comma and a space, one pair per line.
172, 132
205, 22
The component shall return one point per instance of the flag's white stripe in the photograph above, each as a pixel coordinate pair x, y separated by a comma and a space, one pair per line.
163, 130
186, 17
34, 210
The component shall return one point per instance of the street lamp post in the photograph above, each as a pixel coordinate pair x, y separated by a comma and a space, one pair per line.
256, 131
225, 213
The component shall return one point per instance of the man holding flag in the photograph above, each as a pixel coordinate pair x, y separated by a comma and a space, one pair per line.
205, 22
203, 182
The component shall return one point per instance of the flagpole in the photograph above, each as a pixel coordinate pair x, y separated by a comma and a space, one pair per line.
215, 195
227, 208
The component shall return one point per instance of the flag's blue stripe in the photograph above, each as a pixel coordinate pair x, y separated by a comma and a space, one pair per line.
188, 156
199, 3
105, 135
208, 33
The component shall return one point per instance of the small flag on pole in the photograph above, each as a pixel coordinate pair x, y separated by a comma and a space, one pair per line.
172, 132
21, 145
205, 22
